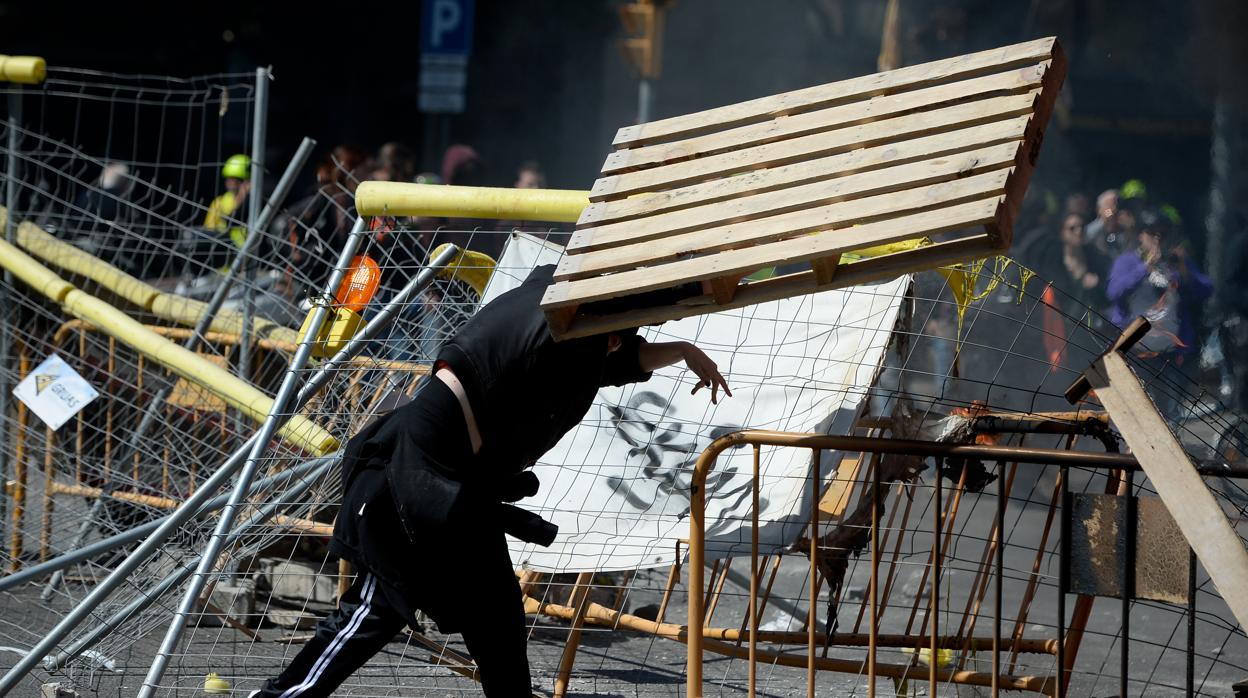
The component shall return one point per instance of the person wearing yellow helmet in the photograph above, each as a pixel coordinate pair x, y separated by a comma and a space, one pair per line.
237, 174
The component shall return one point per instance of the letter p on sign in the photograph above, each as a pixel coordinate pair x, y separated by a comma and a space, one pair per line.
447, 27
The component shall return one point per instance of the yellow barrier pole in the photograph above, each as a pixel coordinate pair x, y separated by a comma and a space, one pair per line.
26, 70
243, 396
448, 201
167, 306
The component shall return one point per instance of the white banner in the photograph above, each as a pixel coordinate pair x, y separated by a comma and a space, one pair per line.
54, 392
618, 484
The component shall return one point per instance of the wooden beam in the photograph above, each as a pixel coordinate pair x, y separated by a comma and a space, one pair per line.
1174, 476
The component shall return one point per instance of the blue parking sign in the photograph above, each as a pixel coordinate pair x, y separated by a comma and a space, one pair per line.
446, 27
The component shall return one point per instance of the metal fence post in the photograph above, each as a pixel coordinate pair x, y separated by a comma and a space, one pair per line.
255, 197
6, 338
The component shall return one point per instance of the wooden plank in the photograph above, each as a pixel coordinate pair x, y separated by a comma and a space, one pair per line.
820, 96
1174, 477
807, 171
836, 497
772, 203
861, 272
1015, 81
801, 249
760, 230
818, 145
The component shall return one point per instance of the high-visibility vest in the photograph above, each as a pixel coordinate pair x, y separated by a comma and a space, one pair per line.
216, 219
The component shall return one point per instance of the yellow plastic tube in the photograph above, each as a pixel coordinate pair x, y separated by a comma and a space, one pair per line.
27, 70
167, 306
445, 201
236, 392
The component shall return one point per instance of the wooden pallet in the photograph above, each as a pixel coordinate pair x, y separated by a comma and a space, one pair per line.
939, 152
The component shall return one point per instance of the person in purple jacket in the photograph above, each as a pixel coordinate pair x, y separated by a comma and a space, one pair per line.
1166, 287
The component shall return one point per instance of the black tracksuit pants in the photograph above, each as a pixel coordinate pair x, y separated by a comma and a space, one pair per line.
370, 615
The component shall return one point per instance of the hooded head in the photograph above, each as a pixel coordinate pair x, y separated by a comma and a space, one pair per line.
462, 165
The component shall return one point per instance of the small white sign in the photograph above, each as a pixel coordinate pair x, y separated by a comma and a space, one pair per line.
55, 392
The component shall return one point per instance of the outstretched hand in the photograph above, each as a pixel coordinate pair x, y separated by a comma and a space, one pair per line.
707, 372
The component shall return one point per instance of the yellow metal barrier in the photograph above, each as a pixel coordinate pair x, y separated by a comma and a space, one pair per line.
239, 394
437, 200
166, 306
27, 70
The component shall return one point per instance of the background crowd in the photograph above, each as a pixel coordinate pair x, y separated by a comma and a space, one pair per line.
1121, 255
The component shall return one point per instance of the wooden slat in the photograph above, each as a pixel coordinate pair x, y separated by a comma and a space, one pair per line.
865, 271
796, 198
818, 145
838, 215
805, 172
836, 498
821, 96
565, 293
1174, 476
1013, 82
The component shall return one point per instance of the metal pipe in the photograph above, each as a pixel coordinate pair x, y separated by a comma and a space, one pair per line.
933, 659
873, 582
255, 195
192, 505
1128, 583
1002, 493
6, 341
151, 596
1191, 623
753, 677
1063, 580
141, 531
812, 615
154, 406
225, 521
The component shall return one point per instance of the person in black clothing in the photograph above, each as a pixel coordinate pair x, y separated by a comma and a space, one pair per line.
424, 510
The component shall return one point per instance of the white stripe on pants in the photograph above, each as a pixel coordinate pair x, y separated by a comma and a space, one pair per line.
343, 636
